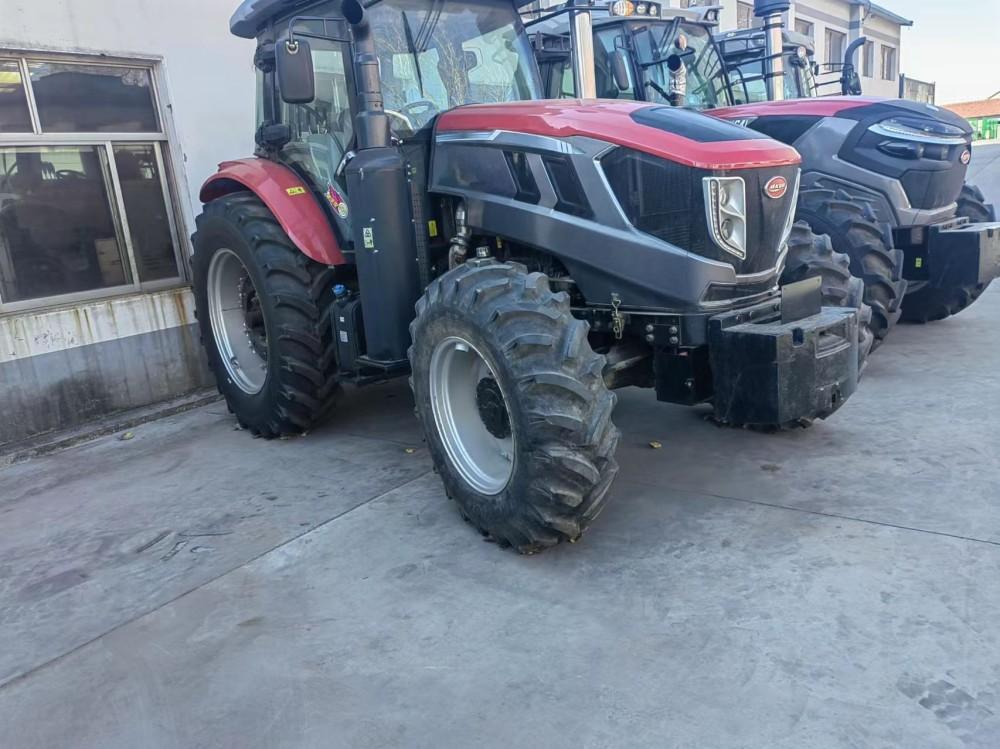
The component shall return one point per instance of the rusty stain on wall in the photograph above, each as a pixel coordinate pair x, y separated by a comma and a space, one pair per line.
60, 368
27, 334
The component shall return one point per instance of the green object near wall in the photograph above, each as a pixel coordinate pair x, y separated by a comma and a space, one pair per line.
986, 128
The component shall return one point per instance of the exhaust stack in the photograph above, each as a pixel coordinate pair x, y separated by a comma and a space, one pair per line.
771, 12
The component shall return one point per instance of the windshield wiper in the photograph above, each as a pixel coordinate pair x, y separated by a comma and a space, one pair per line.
658, 89
413, 51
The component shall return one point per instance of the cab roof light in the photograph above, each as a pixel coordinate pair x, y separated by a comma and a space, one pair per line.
629, 8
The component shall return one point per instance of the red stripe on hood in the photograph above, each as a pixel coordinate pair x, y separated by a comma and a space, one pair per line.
824, 106
609, 121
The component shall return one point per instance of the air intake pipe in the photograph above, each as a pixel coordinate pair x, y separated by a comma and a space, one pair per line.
372, 123
771, 12
385, 248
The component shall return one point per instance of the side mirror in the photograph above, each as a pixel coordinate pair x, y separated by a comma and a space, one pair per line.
852, 86
619, 69
296, 78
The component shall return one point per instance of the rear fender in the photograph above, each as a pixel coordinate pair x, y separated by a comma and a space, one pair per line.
287, 197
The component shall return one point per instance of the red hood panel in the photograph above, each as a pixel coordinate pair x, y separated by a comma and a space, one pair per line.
824, 106
610, 121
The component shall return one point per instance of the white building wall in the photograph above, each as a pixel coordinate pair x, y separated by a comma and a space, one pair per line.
883, 32
64, 363
206, 76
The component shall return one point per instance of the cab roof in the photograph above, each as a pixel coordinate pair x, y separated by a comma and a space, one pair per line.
252, 15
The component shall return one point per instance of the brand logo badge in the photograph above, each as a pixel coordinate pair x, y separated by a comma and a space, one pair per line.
776, 187
966, 157
336, 201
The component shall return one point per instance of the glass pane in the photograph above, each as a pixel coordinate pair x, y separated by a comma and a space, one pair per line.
14, 115
434, 57
322, 131
606, 43
75, 98
57, 232
146, 211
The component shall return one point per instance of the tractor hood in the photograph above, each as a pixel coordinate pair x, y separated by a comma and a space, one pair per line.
859, 108
925, 148
679, 135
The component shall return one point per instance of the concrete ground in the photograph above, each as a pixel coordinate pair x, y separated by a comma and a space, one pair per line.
832, 587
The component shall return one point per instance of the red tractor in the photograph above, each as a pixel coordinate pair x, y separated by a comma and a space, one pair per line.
883, 179
413, 209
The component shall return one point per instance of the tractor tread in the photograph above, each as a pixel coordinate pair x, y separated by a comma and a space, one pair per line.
299, 291
566, 412
854, 230
928, 303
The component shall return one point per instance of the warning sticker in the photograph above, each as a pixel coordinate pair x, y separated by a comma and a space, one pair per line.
369, 238
432, 228
293, 191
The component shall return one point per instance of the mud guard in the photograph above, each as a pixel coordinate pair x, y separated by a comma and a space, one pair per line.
287, 197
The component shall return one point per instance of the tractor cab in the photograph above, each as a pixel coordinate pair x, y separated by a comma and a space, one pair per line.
642, 51
430, 58
744, 55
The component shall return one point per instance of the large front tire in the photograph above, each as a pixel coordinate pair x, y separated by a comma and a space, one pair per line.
811, 255
513, 402
930, 303
262, 307
854, 231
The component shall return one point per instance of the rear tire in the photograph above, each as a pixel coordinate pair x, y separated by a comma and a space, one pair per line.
285, 380
930, 303
525, 444
811, 255
854, 230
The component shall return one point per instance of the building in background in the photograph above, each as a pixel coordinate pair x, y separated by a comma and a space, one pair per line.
112, 113
914, 90
984, 116
832, 25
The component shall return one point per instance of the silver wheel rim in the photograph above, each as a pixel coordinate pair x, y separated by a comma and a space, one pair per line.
464, 398
237, 336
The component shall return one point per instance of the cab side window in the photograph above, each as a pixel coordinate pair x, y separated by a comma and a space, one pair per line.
322, 130
604, 51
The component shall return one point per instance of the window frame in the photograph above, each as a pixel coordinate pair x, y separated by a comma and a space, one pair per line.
743, 7
890, 52
162, 146
830, 35
868, 59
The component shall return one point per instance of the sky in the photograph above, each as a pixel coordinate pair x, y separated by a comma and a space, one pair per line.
953, 43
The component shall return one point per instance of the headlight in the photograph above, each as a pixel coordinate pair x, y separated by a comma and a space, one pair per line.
790, 221
622, 8
641, 9
726, 212
920, 130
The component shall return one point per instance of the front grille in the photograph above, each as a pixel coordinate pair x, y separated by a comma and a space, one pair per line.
666, 200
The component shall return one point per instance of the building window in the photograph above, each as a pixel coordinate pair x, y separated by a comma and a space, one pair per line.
805, 28
744, 15
888, 63
85, 209
835, 45
868, 60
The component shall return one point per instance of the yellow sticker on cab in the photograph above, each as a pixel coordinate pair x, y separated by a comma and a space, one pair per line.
293, 191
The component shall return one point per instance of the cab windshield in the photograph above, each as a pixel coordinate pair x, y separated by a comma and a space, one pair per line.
438, 55
655, 42
749, 77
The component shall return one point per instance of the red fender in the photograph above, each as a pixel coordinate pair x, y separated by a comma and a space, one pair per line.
291, 202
